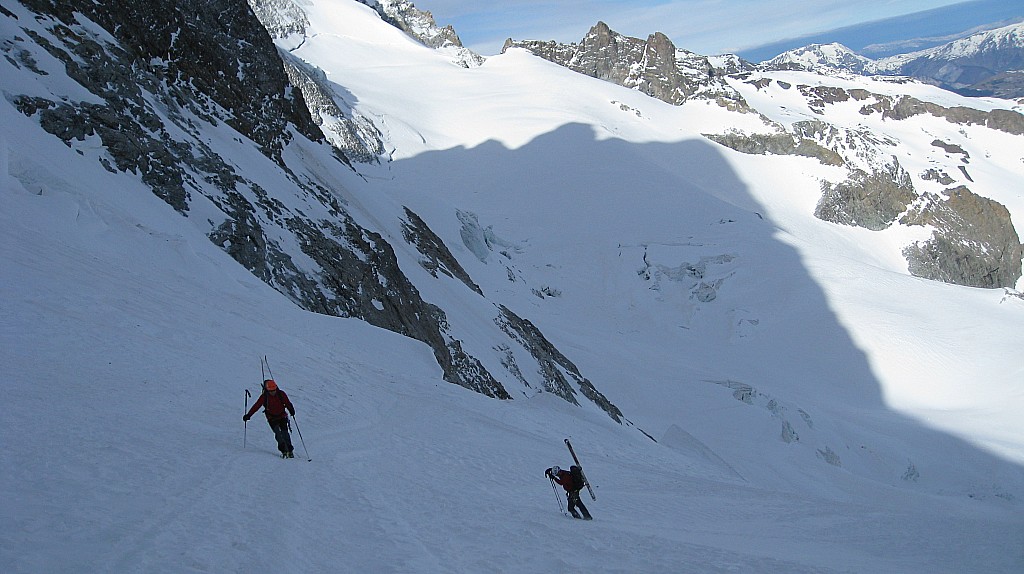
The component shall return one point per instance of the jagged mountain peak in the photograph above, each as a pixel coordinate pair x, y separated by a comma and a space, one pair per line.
654, 66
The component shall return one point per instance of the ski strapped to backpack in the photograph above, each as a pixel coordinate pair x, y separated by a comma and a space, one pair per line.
580, 467
265, 370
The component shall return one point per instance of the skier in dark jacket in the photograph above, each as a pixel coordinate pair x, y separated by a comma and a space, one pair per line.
572, 490
276, 406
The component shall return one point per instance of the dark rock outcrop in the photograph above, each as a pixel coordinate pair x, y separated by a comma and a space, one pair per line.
870, 200
183, 43
554, 366
905, 107
974, 242
951, 149
436, 256
937, 175
780, 143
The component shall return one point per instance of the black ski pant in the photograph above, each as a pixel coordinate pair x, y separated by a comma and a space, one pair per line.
574, 502
284, 439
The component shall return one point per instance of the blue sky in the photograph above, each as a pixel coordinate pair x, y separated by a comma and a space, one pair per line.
702, 26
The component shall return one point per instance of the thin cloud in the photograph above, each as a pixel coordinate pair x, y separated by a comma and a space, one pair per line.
704, 26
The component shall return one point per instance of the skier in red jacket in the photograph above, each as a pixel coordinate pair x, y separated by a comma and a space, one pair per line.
572, 490
276, 406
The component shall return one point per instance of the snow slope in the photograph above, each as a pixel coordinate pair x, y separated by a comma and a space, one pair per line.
128, 339
520, 144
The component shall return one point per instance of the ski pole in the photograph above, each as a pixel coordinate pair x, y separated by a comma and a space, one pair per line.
245, 424
557, 498
297, 429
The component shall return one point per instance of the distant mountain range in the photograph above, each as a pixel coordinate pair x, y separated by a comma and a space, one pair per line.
903, 34
989, 63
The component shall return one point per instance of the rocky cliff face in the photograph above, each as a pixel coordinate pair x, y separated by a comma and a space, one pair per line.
971, 243
869, 200
150, 80
171, 43
653, 66
904, 107
281, 18
780, 142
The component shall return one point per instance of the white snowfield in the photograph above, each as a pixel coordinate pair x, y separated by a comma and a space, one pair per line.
816, 408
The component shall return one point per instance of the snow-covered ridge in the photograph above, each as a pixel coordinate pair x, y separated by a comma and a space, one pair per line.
1006, 38
820, 57
965, 64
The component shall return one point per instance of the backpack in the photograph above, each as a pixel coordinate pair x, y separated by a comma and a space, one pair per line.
577, 477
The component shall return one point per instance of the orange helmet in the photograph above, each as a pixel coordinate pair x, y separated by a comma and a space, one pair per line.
270, 385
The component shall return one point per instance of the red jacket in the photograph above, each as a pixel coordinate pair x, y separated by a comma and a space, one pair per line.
564, 478
275, 404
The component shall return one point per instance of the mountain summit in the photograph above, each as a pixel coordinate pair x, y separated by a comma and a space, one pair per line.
820, 57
